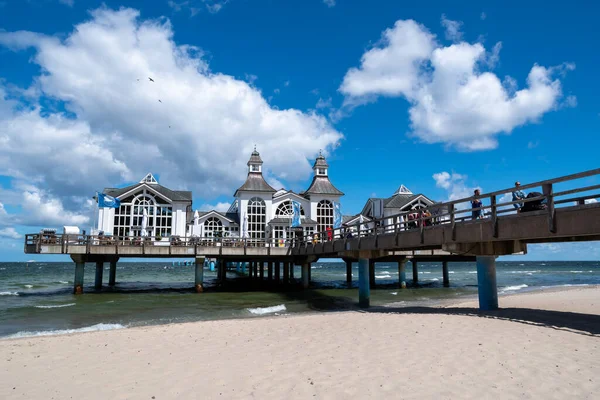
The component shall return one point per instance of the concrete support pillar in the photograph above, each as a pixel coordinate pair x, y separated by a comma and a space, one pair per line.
237, 267
99, 274
199, 274
292, 266
286, 272
349, 272
309, 273
78, 281
445, 274
255, 266
364, 290
223, 269
372, 273
270, 270
402, 273
486, 283
415, 268
112, 276
277, 271
262, 270
305, 273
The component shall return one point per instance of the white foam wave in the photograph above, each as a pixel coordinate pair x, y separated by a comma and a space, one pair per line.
433, 280
517, 287
9, 294
28, 286
97, 327
450, 272
63, 282
576, 272
383, 276
472, 272
57, 306
267, 310
394, 293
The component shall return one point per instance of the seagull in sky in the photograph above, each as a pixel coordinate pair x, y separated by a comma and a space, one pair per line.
151, 80
159, 101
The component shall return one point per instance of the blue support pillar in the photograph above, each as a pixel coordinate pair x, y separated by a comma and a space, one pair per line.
199, 275
364, 290
486, 283
112, 277
212, 266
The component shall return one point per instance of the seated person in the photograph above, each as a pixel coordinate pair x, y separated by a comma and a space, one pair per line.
517, 195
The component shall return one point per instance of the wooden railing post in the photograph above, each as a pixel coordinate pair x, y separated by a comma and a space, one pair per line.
422, 226
548, 192
452, 220
494, 216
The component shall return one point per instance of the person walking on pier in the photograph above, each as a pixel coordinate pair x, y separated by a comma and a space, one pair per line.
518, 195
476, 204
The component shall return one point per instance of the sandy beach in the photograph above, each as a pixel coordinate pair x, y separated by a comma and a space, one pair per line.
543, 344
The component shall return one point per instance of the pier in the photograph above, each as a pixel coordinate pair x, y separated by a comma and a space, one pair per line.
443, 232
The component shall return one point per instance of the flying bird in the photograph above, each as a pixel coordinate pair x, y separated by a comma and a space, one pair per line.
159, 101
151, 80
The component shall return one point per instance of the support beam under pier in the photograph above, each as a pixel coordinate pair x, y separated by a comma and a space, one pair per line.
486, 283
277, 271
445, 274
99, 274
199, 275
305, 273
112, 276
372, 274
364, 290
349, 272
78, 281
270, 270
286, 273
415, 271
292, 266
402, 273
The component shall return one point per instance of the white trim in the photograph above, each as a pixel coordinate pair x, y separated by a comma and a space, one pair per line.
357, 219
146, 186
290, 193
216, 213
419, 197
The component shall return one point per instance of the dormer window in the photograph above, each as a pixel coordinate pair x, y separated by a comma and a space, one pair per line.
254, 168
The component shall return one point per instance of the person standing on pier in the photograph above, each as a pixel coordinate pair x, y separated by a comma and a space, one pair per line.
476, 204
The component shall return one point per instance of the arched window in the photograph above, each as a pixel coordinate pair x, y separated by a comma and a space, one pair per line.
285, 209
257, 218
128, 217
324, 215
211, 226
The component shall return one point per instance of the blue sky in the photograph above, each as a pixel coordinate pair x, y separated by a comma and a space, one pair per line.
393, 95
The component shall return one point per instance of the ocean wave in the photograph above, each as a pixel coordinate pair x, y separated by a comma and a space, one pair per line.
383, 276
267, 310
394, 293
472, 272
57, 306
450, 272
63, 282
28, 286
9, 294
512, 288
576, 272
433, 280
525, 272
97, 327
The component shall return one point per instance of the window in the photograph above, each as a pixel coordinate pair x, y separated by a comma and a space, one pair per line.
211, 226
257, 218
128, 217
324, 215
254, 168
321, 171
285, 209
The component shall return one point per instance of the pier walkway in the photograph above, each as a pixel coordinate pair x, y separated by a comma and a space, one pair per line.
442, 232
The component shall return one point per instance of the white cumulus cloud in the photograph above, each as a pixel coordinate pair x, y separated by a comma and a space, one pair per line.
452, 28
10, 233
329, 3
454, 98
108, 124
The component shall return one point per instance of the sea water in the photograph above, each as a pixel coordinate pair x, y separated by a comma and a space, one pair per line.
36, 298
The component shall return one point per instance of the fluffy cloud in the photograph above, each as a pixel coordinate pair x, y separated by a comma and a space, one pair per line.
195, 6
10, 233
106, 125
456, 187
329, 3
452, 28
454, 99
69, 3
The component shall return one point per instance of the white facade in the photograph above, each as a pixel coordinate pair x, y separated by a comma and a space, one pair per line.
268, 210
166, 210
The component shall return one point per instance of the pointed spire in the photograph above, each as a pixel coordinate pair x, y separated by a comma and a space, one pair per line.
320, 166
